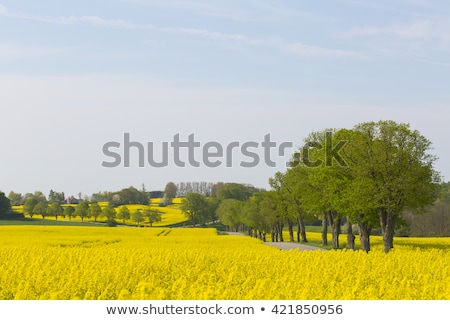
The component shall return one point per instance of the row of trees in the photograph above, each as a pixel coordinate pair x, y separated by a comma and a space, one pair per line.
368, 176
130, 195
86, 210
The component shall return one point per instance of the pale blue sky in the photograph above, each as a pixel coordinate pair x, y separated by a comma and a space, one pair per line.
77, 74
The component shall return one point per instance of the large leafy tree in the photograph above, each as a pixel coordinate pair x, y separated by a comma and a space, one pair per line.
289, 188
256, 216
198, 208
229, 212
393, 171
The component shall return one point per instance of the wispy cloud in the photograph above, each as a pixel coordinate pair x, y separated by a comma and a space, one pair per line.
296, 48
419, 3
211, 8
392, 5
120, 23
314, 51
416, 29
228, 9
422, 38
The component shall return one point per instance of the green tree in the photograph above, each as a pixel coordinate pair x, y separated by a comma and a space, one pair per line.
152, 215
137, 217
394, 173
260, 214
131, 195
56, 210
40, 196
229, 213
170, 191
56, 197
5, 204
269, 207
94, 211
233, 190
145, 195
110, 213
196, 207
69, 211
124, 213
444, 193
28, 206
82, 210
290, 188
41, 208
15, 198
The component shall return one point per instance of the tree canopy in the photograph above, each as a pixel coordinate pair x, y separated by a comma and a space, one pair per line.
5, 204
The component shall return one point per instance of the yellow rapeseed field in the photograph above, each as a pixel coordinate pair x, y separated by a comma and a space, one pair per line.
52, 262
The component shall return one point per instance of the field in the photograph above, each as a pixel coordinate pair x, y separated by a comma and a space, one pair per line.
170, 215
53, 262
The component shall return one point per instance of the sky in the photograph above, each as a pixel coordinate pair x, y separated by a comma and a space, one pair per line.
76, 75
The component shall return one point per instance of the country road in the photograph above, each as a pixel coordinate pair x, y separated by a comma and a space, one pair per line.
293, 246
285, 245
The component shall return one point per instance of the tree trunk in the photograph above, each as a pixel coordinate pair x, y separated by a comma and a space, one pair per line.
364, 235
291, 230
324, 229
301, 229
280, 231
350, 236
387, 220
335, 223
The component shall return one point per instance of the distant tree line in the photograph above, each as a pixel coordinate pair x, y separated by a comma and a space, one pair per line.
202, 187
129, 195
201, 209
